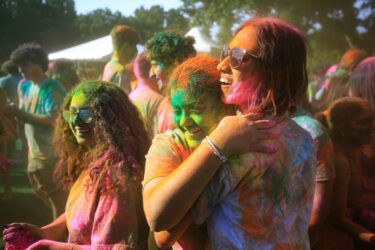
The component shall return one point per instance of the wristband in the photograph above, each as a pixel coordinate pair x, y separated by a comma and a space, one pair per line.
214, 150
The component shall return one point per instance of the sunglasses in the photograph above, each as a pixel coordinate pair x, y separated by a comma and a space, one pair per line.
236, 55
84, 115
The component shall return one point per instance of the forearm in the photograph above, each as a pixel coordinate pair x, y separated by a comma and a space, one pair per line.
166, 239
169, 201
322, 203
37, 119
57, 230
357, 231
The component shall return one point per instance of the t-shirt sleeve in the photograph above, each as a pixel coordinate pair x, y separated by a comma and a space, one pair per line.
54, 99
162, 158
228, 177
325, 166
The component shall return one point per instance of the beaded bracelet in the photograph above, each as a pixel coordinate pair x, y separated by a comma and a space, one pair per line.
214, 150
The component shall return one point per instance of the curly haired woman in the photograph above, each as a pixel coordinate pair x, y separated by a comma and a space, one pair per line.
166, 51
101, 142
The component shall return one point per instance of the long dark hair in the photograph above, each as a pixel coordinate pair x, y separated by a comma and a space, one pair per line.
282, 61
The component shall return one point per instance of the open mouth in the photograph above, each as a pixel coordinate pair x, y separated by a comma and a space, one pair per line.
193, 131
83, 131
225, 81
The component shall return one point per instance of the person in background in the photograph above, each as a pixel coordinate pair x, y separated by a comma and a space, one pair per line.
362, 85
337, 84
65, 72
7, 135
40, 98
145, 96
124, 40
350, 121
101, 144
10, 81
166, 51
325, 172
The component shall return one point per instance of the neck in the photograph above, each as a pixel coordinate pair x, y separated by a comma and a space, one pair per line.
39, 80
118, 57
146, 84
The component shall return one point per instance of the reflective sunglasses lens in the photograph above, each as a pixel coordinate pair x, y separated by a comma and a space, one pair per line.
86, 115
236, 57
66, 115
224, 52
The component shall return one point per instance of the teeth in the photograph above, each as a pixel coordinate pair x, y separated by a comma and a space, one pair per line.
192, 131
223, 80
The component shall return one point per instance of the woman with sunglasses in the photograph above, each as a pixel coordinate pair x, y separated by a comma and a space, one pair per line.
101, 142
249, 200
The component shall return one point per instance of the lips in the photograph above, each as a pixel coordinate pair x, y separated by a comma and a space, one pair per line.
192, 132
82, 131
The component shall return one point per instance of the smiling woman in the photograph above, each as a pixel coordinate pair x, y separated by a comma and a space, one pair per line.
197, 108
101, 142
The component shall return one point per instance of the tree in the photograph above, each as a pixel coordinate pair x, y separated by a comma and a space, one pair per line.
332, 26
47, 22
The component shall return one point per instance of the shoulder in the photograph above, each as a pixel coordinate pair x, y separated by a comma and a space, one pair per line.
175, 138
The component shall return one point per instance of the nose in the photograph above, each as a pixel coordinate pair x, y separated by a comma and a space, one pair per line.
77, 120
223, 66
152, 72
185, 120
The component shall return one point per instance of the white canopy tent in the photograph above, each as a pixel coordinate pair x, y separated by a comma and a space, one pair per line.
95, 49
202, 42
102, 47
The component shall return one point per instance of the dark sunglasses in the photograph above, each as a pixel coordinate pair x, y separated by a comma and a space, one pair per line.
85, 115
236, 55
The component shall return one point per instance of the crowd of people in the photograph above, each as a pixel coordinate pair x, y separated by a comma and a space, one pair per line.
174, 149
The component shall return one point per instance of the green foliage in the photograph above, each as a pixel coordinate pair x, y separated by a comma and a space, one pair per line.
331, 25
55, 25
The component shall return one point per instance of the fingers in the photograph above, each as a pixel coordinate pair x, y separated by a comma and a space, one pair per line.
253, 116
264, 148
267, 134
264, 124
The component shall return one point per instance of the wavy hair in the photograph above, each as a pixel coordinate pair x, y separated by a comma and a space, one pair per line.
170, 48
122, 142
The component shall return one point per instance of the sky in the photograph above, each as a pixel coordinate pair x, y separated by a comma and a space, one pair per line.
126, 7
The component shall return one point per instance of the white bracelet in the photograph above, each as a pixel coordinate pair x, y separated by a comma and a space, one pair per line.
214, 150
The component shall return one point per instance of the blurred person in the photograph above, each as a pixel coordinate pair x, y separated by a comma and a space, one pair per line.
362, 85
145, 96
133, 79
166, 51
40, 98
7, 135
101, 144
325, 171
10, 81
350, 121
65, 72
337, 84
249, 200
124, 41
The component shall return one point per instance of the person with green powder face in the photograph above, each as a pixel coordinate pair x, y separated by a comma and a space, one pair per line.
166, 50
197, 109
101, 143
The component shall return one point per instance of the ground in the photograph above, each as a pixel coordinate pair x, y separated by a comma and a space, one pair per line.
24, 206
